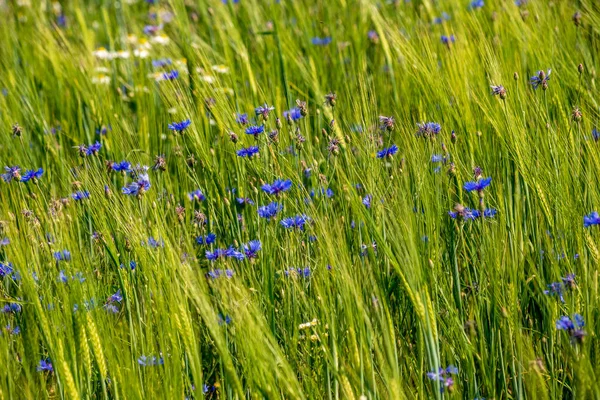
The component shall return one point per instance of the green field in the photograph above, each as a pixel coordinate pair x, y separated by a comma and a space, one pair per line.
261, 199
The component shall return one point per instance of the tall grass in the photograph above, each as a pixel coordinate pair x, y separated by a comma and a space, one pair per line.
395, 290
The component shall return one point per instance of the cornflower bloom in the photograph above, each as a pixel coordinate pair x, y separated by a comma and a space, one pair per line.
180, 126
387, 123
592, 219
255, 130
270, 210
32, 175
277, 187
248, 152
252, 248
443, 375
499, 91
11, 173
45, 366
428, 129
292, 115
196, 195
387, 152
541, 78
137, 188
478, 185
242, 119
317, 41
296, 222
263, 111
574, 327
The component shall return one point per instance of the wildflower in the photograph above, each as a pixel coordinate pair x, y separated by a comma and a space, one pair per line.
180, 126
292, 115
233, 253
317, 41
244, 200
573, 326
224, 320
436, 158
330, 99
64, 255
242, 119
592, 219
5, 241
270, 210
367, 200
11, 308
387, 123
444, 377
302, 107
169, 76
555, 289
45, 366
447, 40
296, 222
160, 163
428, 129
252, 248
499, 91
6, 268
248, 152
196, 195
255, 130
387, 152
476, 4
208, 239
465, 213
153, 243
302, 272
93, 149
123, 166
277, 187
569, 280
32, 175
115, 298
11, 173
479, 185
264, 111
80, 195
540, 79
137, 188
489, 212
217, 273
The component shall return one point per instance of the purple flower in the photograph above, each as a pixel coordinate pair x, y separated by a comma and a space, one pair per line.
270, 210
447, 39
171, 75
115, 298
242, 119
244, 201
296, 222
252, 248
387, 152
476, 4
428, 129
11, 173
294, 114
180, 126
367, 200
32, 175
444, 377
592, 219
248, 152
93, 149
263, 111
137, 188
45, 366
317, 41
80, 195
123, 166
277, 187
541, 79
255, 130
572, 326
196, 195
208, 239
478, 185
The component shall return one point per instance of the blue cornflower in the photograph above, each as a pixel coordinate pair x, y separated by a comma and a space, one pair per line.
490, 212
428, 129
93, 149
137, 188
62, 277
317, 41
595, 134
150, 361
443, 376
64, 255
217, 273
447, 39
132, 265
5, 241
208, 239
478, 185
255, 130
242, 119
476, 4
541, 79
248, 152
436, 158
367, 200
387, 152
80, 195
123, 166
302, 272
569, 280
45, 366
555, 289
160, 63
387, 123
244, 201
115, 298
263, 111
573, 326
11, 173
6, 268
32, 175
270, 210
171, 75
294, 114
196, 195
296, 222
277, 187
180, 126
214, 255
153, 243
11, 308
252, 248
592, 219
233, 253
224, 320
442, 18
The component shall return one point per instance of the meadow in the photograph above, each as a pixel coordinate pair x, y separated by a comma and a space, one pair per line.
264, 199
